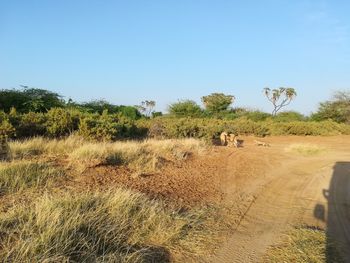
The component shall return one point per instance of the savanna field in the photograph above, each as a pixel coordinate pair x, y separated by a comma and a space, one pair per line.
97, 182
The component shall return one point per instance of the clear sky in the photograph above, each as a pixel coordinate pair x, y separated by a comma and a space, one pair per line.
166, 50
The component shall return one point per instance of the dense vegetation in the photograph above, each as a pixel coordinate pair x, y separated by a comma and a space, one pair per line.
35, 112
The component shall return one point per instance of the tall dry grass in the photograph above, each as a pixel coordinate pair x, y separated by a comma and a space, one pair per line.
114, 226
145, 156
20, 175
304, 244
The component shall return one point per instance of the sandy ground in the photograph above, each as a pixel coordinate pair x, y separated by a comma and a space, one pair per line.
289, 189
275, 190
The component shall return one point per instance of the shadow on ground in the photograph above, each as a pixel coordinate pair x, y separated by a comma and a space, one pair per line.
337, 213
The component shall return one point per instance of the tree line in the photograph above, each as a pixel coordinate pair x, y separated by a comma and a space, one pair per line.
216, 105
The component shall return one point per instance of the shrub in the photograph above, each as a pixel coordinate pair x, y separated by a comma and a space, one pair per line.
186, 108
107, 127
129, 112
30, 124
6, 128
309, 128
4, 148
59, 122
98, 128
256, 115
157, 130
288, 116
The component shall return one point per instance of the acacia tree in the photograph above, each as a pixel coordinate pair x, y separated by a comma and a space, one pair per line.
147, 107
280, 97
217, 102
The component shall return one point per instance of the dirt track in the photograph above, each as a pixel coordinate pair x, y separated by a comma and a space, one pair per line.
288, 189
272, 189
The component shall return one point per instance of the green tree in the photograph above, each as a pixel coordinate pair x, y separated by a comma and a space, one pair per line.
337, 109
99, 106
29, 99
185, 108
280, 97
217, 102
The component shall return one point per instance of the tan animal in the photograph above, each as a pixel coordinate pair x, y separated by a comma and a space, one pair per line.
261, 143
233, 140
223, 138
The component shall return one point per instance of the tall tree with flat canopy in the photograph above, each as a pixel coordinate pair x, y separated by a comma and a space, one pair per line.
280, 97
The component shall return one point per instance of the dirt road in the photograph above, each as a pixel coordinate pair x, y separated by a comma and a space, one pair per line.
271, 189
288, 189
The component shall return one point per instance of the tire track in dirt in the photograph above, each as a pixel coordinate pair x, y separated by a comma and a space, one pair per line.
288, 197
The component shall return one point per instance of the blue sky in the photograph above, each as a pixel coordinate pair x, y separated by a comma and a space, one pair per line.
128, 51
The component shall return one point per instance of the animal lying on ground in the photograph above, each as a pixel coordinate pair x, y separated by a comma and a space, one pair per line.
261, 143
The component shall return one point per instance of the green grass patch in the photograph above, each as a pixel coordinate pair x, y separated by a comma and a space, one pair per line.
304, 245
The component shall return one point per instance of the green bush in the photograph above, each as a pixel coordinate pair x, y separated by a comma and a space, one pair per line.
30, 124
288, 116
107, 127
309, 128
257, 115
211, 128
186, 108
59, 122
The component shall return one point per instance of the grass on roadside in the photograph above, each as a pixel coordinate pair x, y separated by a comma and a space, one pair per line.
304, 245
143, 157
306, 149
114, 226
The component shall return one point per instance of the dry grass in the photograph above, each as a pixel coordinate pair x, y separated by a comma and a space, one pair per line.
306, 149
304, 245
17, 176
42, 146
143, 157
115, 226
